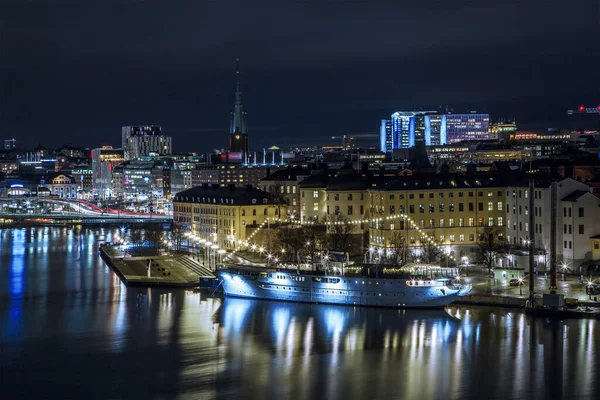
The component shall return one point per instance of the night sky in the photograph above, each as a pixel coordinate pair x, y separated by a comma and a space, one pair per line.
75, 71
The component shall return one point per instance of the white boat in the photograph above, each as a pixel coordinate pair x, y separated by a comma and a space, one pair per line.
317, 287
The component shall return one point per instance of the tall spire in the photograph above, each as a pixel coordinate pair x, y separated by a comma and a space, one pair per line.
238, 120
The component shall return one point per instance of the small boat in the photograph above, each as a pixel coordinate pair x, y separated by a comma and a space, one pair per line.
364, 289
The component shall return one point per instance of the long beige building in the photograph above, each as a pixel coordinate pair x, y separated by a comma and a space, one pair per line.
222, 214
452, 211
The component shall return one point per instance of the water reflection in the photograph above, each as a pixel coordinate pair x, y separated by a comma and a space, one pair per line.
68, 325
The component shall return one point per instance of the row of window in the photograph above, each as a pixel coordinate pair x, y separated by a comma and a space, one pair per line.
442, 207
441, 195
442, 239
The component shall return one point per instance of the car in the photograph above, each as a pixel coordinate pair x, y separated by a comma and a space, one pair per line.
515, 282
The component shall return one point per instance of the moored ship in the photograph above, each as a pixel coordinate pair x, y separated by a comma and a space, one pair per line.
350, 289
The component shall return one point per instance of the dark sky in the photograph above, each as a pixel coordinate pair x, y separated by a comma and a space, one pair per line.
75, 71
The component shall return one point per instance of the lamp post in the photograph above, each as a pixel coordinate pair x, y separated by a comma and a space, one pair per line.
520, 286
214, 248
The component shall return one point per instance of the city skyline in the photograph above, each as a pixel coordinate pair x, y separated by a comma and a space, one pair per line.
78, 73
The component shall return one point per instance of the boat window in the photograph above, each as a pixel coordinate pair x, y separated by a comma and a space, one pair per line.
317, 279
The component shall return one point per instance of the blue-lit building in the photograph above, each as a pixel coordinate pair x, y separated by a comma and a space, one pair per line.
467, 127
434, 128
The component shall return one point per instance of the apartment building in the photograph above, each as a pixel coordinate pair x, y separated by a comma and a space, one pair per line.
451, 210
577, 216
222, 214
285, 183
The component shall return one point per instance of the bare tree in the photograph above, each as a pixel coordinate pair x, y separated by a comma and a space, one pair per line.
339, 233
293, 240
430, 250
177, 235
153, 235
397, 254
136, 237
491, 246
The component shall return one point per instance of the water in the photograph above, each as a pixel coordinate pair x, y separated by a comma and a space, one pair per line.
70, 329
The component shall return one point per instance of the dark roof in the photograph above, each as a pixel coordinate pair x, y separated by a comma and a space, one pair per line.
287, 174
595, 237
317, 180
424, 182
575, 195
238, 196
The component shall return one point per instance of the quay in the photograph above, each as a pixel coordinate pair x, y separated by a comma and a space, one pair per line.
165, 270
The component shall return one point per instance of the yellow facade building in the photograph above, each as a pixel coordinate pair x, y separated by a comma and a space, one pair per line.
452, 211
221, 215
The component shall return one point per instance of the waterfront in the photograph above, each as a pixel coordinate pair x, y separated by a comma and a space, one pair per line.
70, 329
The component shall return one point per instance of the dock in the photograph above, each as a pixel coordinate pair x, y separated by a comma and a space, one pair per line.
165, 270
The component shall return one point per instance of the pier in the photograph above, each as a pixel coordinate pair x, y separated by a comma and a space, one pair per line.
156, 270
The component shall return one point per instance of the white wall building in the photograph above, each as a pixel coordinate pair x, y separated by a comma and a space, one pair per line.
63, 186
571, 246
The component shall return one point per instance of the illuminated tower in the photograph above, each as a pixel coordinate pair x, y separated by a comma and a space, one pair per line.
238, 134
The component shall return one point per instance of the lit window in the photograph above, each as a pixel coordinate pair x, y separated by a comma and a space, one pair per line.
499, 206
499, 221
490, 206
461, 238
315, 194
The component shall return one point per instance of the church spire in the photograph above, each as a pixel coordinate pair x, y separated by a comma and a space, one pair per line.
238, 120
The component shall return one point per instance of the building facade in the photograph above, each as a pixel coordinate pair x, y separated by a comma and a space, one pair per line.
467, 127
285, 184
228, 174
144, 140
104, 160
221, 215
577, 214
452, 211
63, 186
434, 128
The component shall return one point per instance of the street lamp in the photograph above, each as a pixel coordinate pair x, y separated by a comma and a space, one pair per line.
563, 268
520, 286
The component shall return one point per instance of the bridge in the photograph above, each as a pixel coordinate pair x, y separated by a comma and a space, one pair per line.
53, 209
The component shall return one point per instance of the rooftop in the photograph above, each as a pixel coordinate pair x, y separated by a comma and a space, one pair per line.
231, 195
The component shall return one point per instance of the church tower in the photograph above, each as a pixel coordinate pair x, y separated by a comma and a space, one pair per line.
238, 134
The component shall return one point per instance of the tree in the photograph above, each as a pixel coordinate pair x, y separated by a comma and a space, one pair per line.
136, 237
177, 235
339, 233
153, 235
430, 251
293, 240
397, 254
491, 246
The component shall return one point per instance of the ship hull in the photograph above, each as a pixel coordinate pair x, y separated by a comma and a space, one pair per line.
305, 288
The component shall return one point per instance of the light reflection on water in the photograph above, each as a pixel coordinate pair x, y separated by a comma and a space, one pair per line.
68, 326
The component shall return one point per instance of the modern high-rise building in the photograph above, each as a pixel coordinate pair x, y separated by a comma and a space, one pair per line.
104, 160
144, 140
434, 128
238, 132
467, 127
10, 144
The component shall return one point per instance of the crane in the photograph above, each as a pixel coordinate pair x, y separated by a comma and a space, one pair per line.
584, 110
